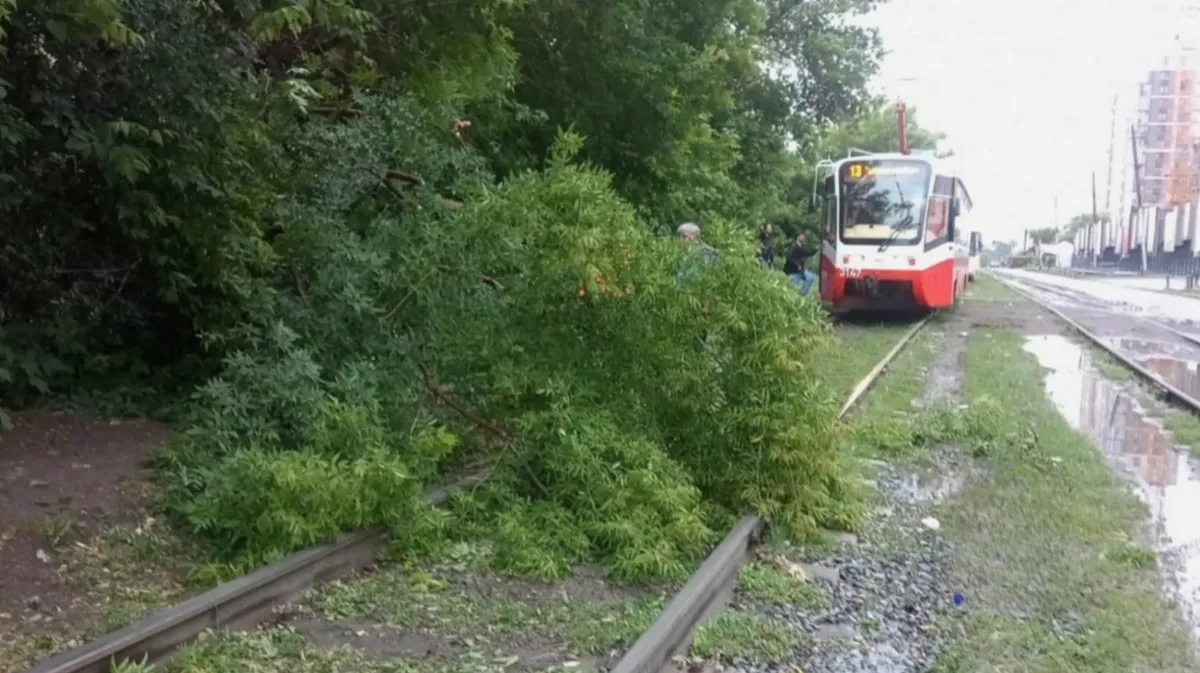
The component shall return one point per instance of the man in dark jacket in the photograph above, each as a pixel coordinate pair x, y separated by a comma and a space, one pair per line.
766, 240
797, 259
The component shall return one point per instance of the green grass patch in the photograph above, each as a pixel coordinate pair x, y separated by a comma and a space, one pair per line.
591, 619
987, 288
856, 349
1047, 557
734, 635
1185, 426
886, 424
1110, 367
769, 584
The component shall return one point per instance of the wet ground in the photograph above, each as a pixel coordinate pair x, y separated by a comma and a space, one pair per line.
1151, 303
1159, 336
887, 585
1137, 446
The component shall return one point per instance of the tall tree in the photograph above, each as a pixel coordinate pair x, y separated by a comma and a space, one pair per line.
877, 131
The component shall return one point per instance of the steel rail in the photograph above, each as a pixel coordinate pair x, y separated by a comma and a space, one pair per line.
1190, 338
1172, 391
249, 600
241, 603
710, 588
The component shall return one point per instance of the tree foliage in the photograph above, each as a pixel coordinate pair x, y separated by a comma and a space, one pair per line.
1081, 222
878, 130
391, 240
1044, 235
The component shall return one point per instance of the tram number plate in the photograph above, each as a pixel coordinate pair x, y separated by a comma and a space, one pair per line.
852, 273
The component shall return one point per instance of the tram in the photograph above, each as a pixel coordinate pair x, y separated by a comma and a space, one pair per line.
893, 233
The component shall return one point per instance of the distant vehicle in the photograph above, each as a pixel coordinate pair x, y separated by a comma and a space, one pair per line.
893, 230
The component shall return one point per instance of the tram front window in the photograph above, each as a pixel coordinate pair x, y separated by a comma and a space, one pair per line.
883, 201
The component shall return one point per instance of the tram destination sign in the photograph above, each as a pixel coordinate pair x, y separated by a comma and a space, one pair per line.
853, 171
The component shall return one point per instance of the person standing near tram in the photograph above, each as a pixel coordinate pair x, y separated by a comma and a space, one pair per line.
767, 245
796, 263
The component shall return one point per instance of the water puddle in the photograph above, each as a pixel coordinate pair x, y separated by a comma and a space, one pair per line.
930, 487
1174, 362
1165, 476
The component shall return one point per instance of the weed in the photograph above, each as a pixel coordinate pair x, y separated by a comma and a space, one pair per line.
854, 350
422, 601
1134, 555
1110, 367
986, 288
769, 584
1185, 427
57, 530
741, 635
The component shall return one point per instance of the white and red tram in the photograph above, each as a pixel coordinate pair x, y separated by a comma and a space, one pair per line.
893, 234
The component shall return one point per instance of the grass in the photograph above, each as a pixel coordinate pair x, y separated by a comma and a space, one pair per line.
1048, 557
987, 288
857, 348
588, 620
1185, 427
768, 584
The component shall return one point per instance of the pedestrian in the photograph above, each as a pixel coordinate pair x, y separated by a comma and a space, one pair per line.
767, 241
690, 232
794, 265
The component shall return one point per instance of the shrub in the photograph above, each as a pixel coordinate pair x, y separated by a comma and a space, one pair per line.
631, 398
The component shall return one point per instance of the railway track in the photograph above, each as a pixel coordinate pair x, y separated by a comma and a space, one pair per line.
253, 598
1172, 391
1093, 304
707, 591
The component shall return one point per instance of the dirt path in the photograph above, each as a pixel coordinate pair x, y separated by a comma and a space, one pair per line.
64, 478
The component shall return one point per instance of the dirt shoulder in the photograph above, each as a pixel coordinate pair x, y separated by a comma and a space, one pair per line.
79, 551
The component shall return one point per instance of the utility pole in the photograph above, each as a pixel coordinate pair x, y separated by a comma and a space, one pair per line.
1112, 143
1121, 214
1136, 209
1095, 223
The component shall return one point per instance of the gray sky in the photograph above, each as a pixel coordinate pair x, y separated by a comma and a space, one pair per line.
1024, 91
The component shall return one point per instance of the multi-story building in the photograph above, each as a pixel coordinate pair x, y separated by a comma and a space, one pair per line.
1168, 154
1167, 110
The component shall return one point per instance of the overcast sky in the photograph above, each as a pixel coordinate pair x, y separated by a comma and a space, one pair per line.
1024, 90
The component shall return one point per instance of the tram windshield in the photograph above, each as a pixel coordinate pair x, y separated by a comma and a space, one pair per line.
883, 201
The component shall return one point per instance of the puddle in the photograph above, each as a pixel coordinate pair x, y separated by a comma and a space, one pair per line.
1166, 478
929, 487
1172, 361
1149, 302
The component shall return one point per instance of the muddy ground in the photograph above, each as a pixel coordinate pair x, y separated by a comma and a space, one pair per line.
64, 478
894, 576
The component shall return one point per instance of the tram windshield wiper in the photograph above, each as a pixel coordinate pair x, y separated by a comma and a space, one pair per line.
904, 225
896, 231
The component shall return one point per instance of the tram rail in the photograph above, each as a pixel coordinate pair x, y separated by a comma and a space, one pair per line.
252, 599
1172, 391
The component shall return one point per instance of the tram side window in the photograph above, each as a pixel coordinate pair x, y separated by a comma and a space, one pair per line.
937, 222
830, 202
